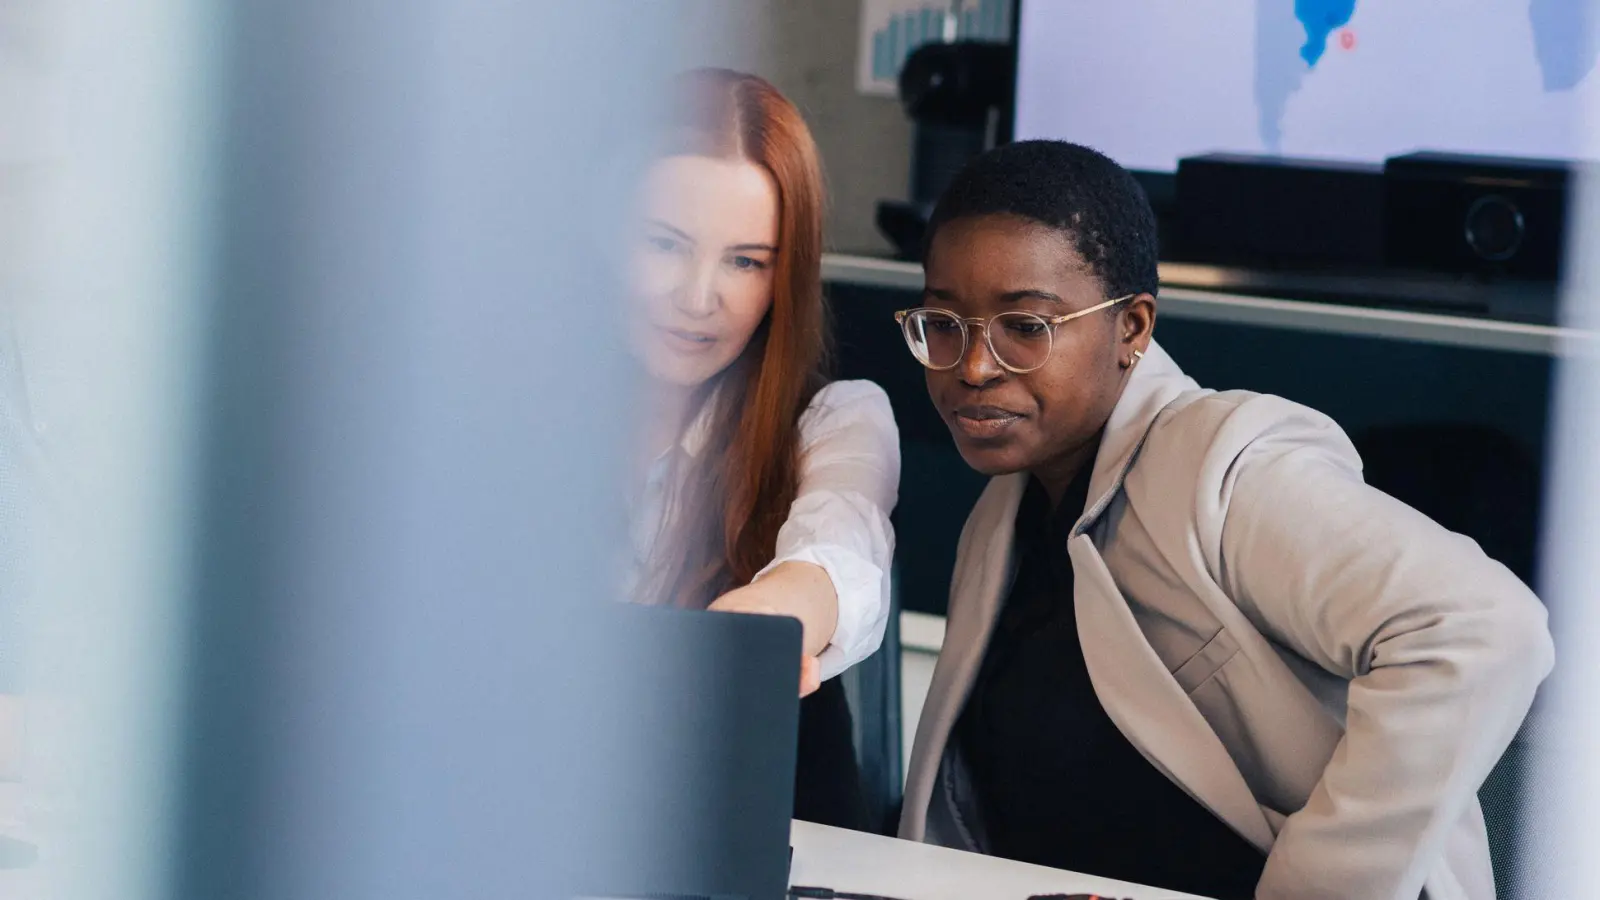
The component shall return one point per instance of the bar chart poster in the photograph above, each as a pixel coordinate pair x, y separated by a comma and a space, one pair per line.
892, 29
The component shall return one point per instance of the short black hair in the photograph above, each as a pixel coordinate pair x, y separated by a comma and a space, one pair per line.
1079, 191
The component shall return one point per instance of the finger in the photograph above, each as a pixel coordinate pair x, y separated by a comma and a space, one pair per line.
810, 675
742, 607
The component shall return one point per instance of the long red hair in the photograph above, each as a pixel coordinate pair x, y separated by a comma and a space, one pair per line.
746, 476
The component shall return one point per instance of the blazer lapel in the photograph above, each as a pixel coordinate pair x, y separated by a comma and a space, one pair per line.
1154, 383
982, 576
1149, 706
1144, 700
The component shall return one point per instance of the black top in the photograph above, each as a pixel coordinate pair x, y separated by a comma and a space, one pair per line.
1057, 783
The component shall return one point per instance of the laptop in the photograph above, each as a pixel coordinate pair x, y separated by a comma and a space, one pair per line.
700, 740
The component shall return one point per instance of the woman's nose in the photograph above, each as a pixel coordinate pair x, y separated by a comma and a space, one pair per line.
978, 366
698, 297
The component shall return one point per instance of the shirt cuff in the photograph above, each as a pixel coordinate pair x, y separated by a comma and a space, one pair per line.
863, 603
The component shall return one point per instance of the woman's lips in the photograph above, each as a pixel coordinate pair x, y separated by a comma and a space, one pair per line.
683, 340
984, 421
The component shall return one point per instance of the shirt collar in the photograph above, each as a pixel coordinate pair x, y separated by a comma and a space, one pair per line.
1037, 521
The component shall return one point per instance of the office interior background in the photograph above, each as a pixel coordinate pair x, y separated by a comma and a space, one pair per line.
262, 609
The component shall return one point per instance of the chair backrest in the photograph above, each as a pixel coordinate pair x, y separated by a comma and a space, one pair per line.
937, 490
1472, 479
873, 690
1519, 800
1479, 482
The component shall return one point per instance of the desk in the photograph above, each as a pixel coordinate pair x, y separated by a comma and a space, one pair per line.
1180, 300
870, 864
861, 863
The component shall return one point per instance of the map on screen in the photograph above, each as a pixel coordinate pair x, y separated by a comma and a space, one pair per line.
1152, 81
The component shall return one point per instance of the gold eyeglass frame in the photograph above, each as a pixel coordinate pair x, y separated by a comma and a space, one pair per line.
1051, 322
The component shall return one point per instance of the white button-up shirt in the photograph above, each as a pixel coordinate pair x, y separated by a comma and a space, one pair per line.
849, 482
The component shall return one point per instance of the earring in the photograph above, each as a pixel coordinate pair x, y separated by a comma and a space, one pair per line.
1137, 355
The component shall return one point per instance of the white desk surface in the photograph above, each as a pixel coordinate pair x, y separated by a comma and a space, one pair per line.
861, 863
869, 864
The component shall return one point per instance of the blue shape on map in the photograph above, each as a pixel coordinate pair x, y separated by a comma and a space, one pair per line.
1291, 36
1279, 67
1563, 41
1321, 18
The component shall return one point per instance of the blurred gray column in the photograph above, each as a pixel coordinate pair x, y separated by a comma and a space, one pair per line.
325, 301
413, 477
1560, 836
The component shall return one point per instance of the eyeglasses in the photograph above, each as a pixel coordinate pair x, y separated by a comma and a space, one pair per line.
1020, 341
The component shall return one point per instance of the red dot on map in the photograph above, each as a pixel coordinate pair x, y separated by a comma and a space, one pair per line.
1347, 39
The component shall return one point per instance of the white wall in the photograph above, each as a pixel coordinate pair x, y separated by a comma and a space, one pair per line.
807, 48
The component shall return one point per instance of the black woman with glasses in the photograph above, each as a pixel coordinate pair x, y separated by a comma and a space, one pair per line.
1187, 646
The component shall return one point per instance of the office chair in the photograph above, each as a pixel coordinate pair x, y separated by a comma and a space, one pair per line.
1519, 800
873, 689
1471, 479
1478, 482
937, 490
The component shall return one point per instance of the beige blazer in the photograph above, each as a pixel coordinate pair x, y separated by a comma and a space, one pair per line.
1327, 670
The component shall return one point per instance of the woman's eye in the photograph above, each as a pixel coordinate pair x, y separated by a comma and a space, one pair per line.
1027, 329
746, 263
662, 244
942, 325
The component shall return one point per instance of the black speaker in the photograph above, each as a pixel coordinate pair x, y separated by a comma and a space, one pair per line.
1484, 215
1237, 208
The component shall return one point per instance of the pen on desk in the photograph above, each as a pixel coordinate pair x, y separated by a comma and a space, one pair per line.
1069, 897
799, 892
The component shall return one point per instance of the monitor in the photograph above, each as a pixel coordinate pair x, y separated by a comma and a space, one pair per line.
1149, 82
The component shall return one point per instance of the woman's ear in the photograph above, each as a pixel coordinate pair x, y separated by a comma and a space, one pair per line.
1136, 324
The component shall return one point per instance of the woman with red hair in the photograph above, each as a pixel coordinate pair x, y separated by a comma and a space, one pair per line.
766, 488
